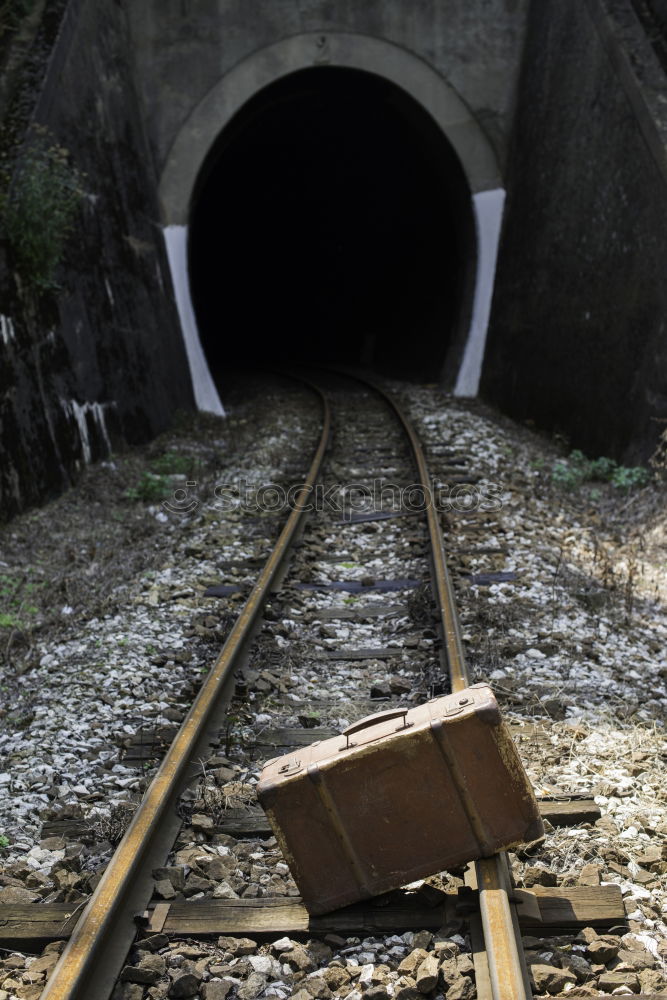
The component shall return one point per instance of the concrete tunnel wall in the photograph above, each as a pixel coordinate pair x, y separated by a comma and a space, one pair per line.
183, 48
578, 336
414, 78
458, 60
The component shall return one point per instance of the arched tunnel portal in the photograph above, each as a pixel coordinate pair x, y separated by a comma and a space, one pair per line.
332, 221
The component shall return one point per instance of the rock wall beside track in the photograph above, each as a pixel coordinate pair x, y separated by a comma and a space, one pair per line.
578, 338
99, 359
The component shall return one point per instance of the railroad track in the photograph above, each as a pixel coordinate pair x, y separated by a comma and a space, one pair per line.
371, 653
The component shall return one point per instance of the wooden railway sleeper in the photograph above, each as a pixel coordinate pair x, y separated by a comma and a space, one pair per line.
526, 902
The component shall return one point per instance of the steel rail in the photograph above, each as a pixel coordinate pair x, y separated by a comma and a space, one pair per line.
504, 968
94, 956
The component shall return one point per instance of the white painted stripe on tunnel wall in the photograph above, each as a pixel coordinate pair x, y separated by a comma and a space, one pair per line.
205, 392
488, 207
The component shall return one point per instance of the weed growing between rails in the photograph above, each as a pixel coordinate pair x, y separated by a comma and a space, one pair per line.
112, 825
221, 789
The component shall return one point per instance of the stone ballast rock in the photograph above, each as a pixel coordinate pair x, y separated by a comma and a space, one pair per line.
595, 740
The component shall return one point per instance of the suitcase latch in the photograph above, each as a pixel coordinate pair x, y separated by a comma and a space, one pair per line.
291, 767
459, 705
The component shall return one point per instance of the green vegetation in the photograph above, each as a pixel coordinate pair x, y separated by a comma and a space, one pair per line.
9, 621
155, 483
172, 463
20, 720
625, 478
575, 470
149, 488
41, 192
15, 594
4, 841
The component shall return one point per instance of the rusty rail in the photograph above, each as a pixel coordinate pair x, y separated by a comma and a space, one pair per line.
94, 955
500, 968
93, 958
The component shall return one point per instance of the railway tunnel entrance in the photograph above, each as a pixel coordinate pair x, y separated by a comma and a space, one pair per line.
332, 220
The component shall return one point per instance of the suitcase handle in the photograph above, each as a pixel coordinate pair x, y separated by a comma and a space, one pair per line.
371, 720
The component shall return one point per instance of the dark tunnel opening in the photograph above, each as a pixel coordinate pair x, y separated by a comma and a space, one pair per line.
332, 222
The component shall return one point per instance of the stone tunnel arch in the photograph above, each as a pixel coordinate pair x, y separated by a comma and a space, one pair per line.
203, 127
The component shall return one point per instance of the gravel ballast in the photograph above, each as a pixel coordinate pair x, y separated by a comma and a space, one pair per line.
568, 626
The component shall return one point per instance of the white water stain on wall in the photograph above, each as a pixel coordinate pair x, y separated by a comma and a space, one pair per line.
488, 207
7, 333
205, 392
80, 411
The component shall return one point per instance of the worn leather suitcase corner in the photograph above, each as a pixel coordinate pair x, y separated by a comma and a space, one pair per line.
399, 796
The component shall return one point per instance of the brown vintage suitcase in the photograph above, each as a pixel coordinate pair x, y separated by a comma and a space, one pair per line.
399, 796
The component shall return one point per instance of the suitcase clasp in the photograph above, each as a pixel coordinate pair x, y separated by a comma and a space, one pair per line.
463, 702
291, 767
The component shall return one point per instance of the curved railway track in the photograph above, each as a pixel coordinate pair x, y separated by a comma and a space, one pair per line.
93, 958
